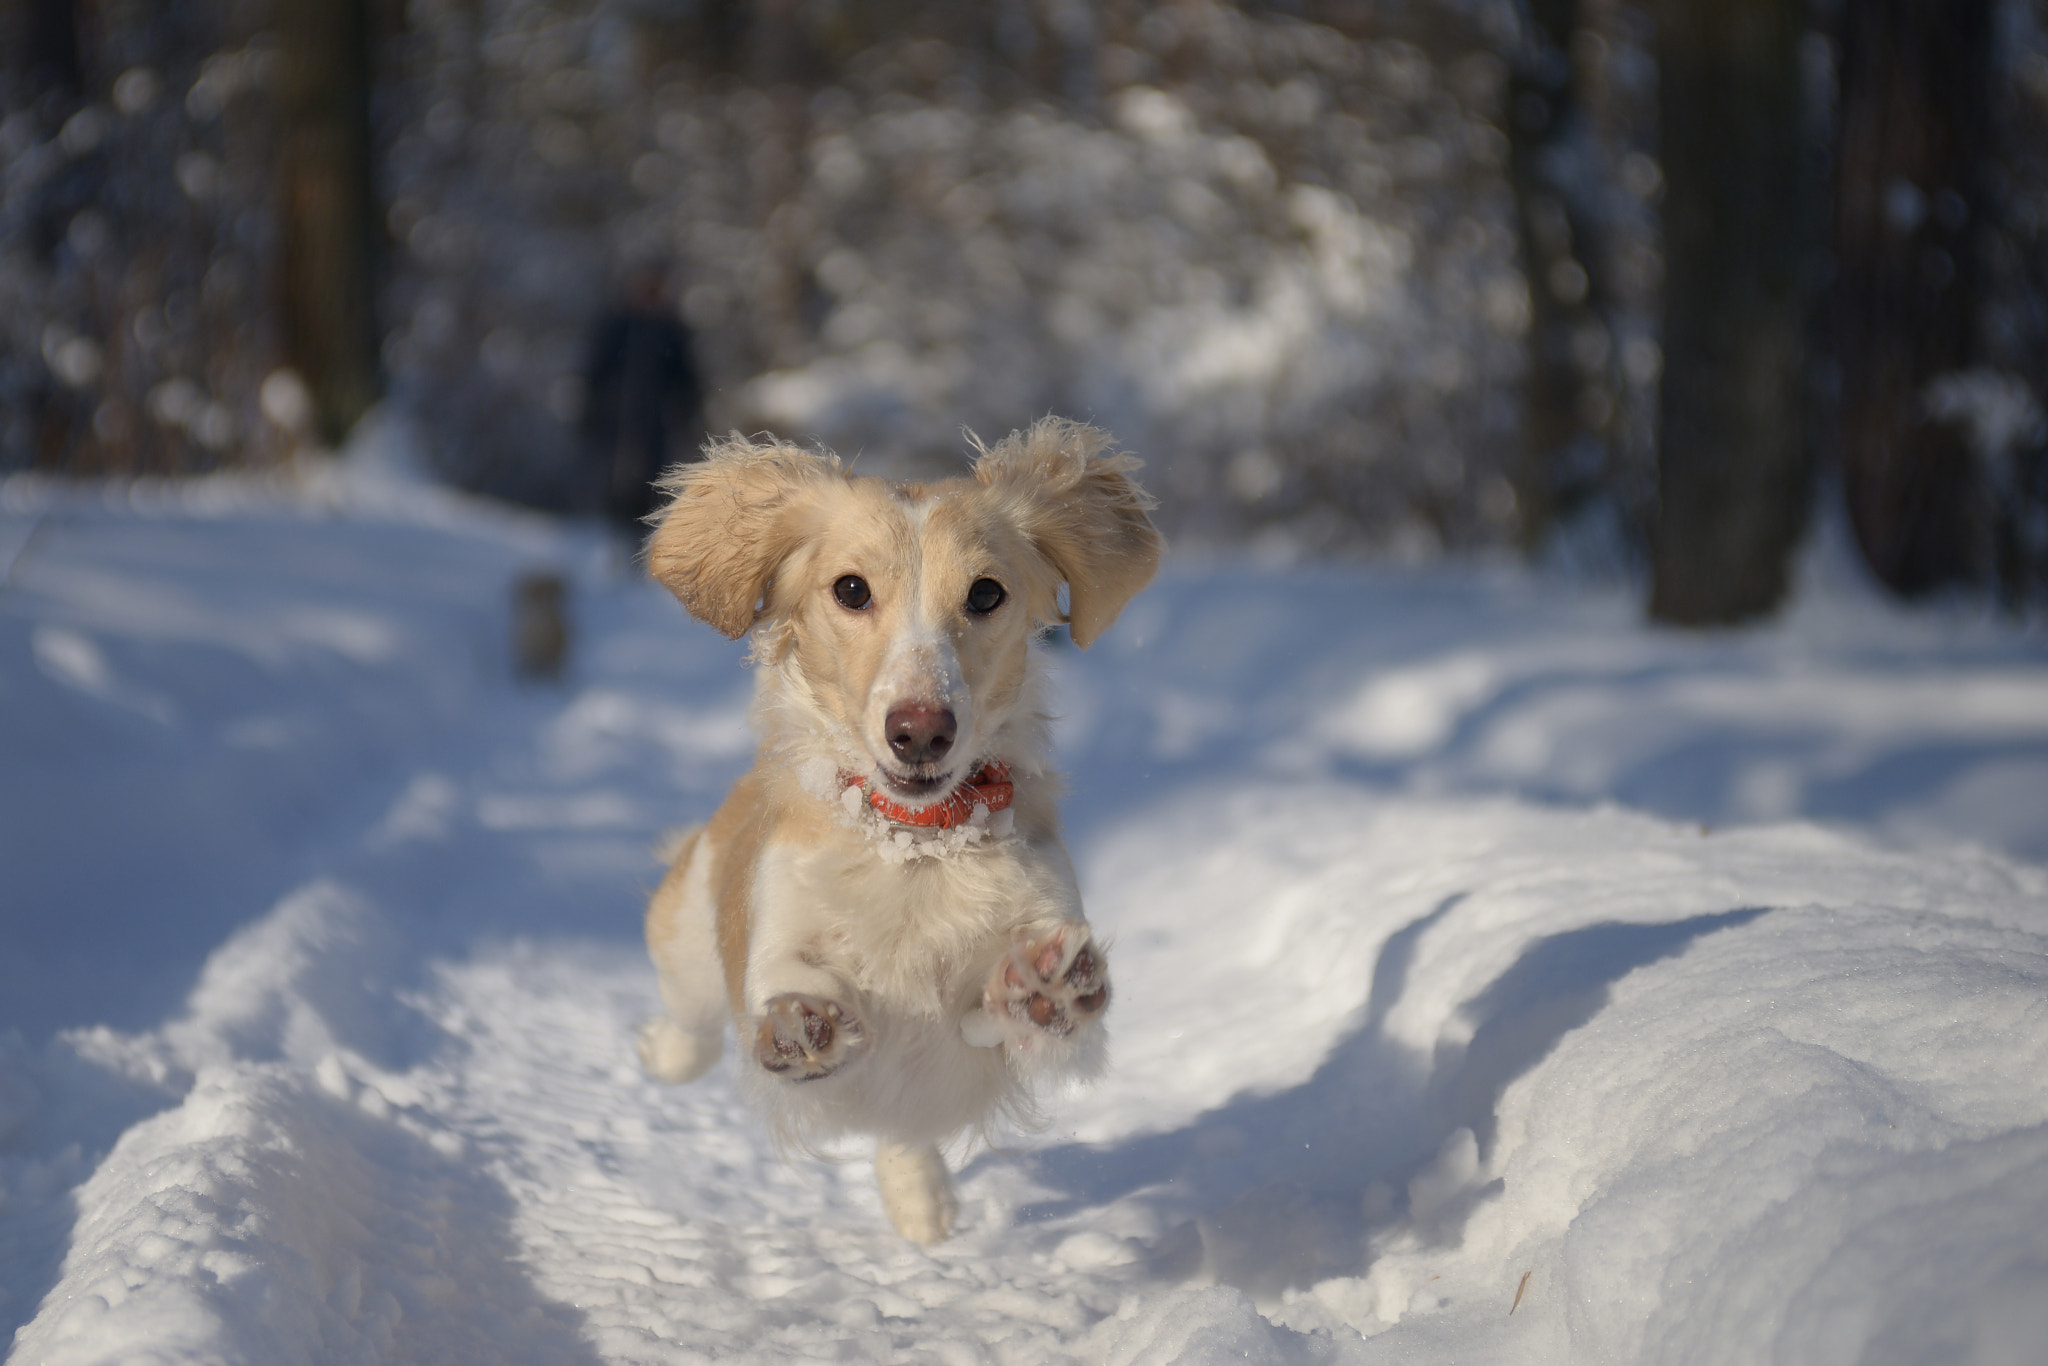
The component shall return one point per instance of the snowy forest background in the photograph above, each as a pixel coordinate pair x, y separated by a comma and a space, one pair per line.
1618, 284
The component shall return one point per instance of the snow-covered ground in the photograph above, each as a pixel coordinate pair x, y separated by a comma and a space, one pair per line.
1498, 979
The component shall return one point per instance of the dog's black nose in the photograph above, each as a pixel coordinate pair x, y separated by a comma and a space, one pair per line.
919, 734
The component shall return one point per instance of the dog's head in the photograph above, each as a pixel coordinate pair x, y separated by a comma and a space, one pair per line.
903, 613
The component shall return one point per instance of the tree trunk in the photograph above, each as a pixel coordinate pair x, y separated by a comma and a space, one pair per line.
1732, 461
1558, 262
328, 221
1915, 121
50, 56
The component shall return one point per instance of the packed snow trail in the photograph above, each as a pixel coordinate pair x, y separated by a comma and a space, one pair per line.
1388, 1049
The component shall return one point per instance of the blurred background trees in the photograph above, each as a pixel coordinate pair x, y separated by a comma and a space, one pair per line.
1618, 283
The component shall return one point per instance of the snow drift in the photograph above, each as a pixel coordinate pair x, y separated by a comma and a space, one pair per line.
320, 972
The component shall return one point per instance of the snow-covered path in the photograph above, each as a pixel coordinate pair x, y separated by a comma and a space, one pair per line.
319, 961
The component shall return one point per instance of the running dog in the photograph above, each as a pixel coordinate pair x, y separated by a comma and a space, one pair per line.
883, 907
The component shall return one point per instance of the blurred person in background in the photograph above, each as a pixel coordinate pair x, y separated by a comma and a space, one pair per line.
642, 398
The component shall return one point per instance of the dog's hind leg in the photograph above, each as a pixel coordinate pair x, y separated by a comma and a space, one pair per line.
682, 938
671, 1053
916, 1190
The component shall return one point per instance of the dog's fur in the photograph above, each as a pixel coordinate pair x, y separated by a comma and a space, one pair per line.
906, 983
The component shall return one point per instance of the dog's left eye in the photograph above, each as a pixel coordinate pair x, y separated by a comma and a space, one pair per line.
984, 596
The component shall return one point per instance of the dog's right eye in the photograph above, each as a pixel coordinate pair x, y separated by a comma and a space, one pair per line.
852, 592
984, 596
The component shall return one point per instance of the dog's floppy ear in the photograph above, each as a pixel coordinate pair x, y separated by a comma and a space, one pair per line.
732, 518
1076, 500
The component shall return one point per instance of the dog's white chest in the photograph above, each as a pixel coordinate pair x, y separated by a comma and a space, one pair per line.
914, 936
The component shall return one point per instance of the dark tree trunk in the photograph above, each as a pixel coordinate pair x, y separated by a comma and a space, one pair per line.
1732, 460
1913, 133
328, 220
1558, 260
51, 56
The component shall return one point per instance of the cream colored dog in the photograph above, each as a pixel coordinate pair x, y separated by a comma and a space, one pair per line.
883, 906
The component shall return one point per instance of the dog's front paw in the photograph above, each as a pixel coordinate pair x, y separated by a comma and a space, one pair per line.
803, 1038
1053, 981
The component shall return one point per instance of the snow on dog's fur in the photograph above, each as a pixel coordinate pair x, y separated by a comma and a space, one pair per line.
886, 975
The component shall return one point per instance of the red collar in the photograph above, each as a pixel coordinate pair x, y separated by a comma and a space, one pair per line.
988, 786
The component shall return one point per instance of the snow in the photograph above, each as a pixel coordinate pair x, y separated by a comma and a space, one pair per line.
1477, 948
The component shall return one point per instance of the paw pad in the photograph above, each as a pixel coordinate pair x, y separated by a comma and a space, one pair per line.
804, 1038
1054, 982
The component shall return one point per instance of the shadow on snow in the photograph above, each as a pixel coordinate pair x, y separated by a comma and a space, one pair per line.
1285, 1189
